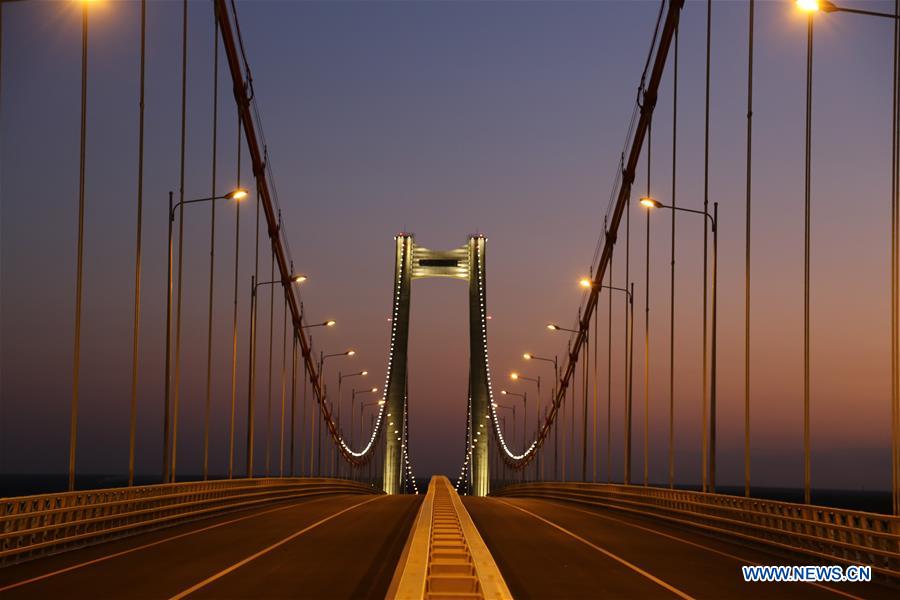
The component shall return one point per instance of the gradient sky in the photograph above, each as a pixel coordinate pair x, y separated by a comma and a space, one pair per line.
446, 119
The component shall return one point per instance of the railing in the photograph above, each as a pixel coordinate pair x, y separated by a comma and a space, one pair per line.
32, 526
832, 534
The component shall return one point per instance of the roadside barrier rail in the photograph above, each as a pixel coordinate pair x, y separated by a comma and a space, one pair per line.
828, 534
32, 526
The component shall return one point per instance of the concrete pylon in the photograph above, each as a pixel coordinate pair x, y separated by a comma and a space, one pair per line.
416, 262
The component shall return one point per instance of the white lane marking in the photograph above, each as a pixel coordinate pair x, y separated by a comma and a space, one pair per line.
151, 544
605, 552
690, 543
256, 555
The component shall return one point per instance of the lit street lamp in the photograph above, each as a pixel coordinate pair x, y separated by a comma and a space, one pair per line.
650, 203
236, 195
812, 6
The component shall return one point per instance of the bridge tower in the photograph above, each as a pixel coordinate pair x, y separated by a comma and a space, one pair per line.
416, 262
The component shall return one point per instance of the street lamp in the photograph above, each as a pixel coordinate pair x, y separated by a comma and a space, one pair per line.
524, 397
251, 396
341, 378
515, 376
511, 407
650, 203
236, 195
555, 362
353, 394
329, 323
812, 6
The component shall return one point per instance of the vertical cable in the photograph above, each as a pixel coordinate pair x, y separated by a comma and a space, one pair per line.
234, 317
647, 324
704, 426
212, 247
747, 255
895, 276
806, 248
269, 381
608, 376
251, 395
672, 273
132, 427
175, 402
76, 359
283, 386
585, 371
626, 477
293, 399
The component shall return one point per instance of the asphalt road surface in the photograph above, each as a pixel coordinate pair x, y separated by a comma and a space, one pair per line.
554, 550
331, 547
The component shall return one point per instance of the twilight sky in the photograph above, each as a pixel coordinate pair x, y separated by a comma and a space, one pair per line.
445, 119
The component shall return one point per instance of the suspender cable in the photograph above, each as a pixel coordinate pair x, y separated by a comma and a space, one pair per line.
895, 275
212, 248
672, 273
177, 383
747, 254
76, 357
629, 350
806, 249
584, 417
707, 477
283, 385
251, 394
132, 428
647, 321
269, 380
234, 317
608, 378
293, 394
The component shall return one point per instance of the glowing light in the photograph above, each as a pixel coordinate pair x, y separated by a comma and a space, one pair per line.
513, 376
552, 326
584, 282
238, 194
808, 5
330, 323
648, 202
350, 352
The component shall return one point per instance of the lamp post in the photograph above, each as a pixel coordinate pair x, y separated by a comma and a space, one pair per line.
341, 378
353, 394
629, 368
586, 331
364, 405
322, 358
811, 7
236, 195
555, 362
650, 203
251, 393
511, 407
524, 397
515, 376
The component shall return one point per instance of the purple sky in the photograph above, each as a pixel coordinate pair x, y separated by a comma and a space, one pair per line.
446, 119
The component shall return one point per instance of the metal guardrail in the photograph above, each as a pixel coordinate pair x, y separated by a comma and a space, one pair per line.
832, 534
32, 526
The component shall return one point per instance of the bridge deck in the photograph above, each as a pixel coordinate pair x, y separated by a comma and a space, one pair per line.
553, 550
332, 547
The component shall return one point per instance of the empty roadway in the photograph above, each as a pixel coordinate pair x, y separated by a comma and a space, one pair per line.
549, 549
332, 547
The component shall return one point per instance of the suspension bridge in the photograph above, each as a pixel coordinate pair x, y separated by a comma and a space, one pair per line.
314, 496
